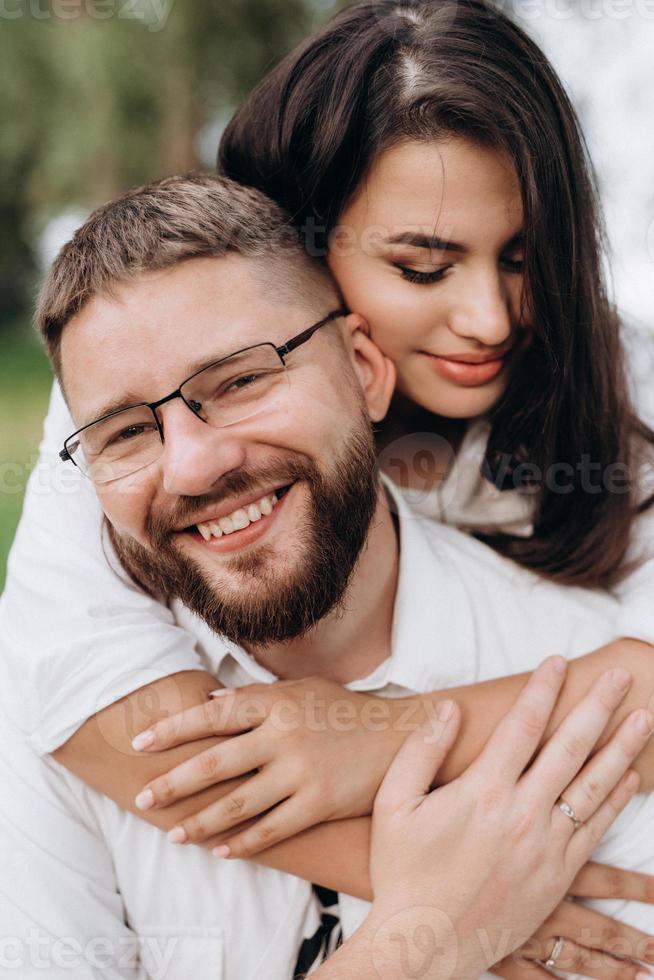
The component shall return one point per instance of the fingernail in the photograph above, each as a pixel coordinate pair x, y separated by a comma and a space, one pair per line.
620, 678
559, 664
220, 693
177, 835
142, 740
221, 852
645, 722
445, 709
643, 975
144, 800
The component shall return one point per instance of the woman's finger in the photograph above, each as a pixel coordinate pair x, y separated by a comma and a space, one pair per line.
232, 714
517, 737
604, 881
591, 929
567, 750
602, 773
584, 840
284, 821
412, 771
249, 800
595, 963
235, 757
516, 968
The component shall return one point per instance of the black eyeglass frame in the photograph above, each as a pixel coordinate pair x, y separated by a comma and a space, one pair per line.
66, 456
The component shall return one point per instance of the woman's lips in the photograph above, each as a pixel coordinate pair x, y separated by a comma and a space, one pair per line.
465, 373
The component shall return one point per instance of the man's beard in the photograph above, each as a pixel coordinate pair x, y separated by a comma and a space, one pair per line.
281, 606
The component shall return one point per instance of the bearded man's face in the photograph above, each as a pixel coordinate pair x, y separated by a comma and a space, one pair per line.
295, 487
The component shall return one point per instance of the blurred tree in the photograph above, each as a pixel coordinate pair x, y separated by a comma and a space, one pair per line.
95, 101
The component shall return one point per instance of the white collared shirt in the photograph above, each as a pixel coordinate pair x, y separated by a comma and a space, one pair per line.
79, 867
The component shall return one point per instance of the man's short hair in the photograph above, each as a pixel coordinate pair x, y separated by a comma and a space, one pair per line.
170, 221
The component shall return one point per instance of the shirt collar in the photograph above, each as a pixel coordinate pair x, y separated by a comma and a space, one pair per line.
432, 640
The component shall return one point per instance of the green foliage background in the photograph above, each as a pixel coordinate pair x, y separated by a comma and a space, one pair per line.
95, 101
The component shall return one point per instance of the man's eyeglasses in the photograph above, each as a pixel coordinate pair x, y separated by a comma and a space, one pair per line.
227, 391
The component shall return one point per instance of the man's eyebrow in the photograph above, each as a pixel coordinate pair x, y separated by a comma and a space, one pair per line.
130, 400
116, 405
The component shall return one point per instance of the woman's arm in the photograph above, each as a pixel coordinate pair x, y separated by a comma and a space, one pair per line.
334, 854
328, 766
100, 753
483, 705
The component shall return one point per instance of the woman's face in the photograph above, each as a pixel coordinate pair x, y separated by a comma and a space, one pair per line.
430, 252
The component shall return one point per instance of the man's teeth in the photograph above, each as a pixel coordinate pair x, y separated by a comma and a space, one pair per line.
239, 520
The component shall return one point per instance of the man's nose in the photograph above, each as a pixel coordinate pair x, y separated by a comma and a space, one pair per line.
482, 311
195, 454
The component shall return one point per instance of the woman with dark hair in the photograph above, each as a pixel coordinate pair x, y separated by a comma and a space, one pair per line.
390, 116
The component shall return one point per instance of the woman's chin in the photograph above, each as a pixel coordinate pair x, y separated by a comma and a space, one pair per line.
452, 401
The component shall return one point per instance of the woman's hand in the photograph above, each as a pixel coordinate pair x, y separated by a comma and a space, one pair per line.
475, 867
317, 752
594, 945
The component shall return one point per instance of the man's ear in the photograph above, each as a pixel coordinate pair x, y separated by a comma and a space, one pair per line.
374, 370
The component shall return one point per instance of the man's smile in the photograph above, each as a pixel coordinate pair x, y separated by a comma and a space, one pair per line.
227, 532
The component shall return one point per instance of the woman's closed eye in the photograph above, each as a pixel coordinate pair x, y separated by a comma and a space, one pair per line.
437, 275
422, 278
512, 264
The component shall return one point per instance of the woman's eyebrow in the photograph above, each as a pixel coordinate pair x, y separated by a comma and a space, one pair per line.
434, 244
515, 243
418, 240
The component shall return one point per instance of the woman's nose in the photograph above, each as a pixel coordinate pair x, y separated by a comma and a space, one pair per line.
482, 312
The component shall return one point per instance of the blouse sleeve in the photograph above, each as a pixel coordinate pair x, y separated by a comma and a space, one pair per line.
75, 635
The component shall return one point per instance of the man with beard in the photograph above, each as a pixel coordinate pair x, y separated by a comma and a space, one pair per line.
223, 404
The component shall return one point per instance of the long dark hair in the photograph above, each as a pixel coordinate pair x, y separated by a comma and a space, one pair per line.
383, 71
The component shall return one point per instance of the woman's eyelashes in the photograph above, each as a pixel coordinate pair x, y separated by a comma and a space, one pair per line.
436, 275
424, 278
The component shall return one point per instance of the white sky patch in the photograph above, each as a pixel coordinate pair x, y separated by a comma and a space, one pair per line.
607, 66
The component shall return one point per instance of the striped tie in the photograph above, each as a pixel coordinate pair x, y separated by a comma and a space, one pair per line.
327, 937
